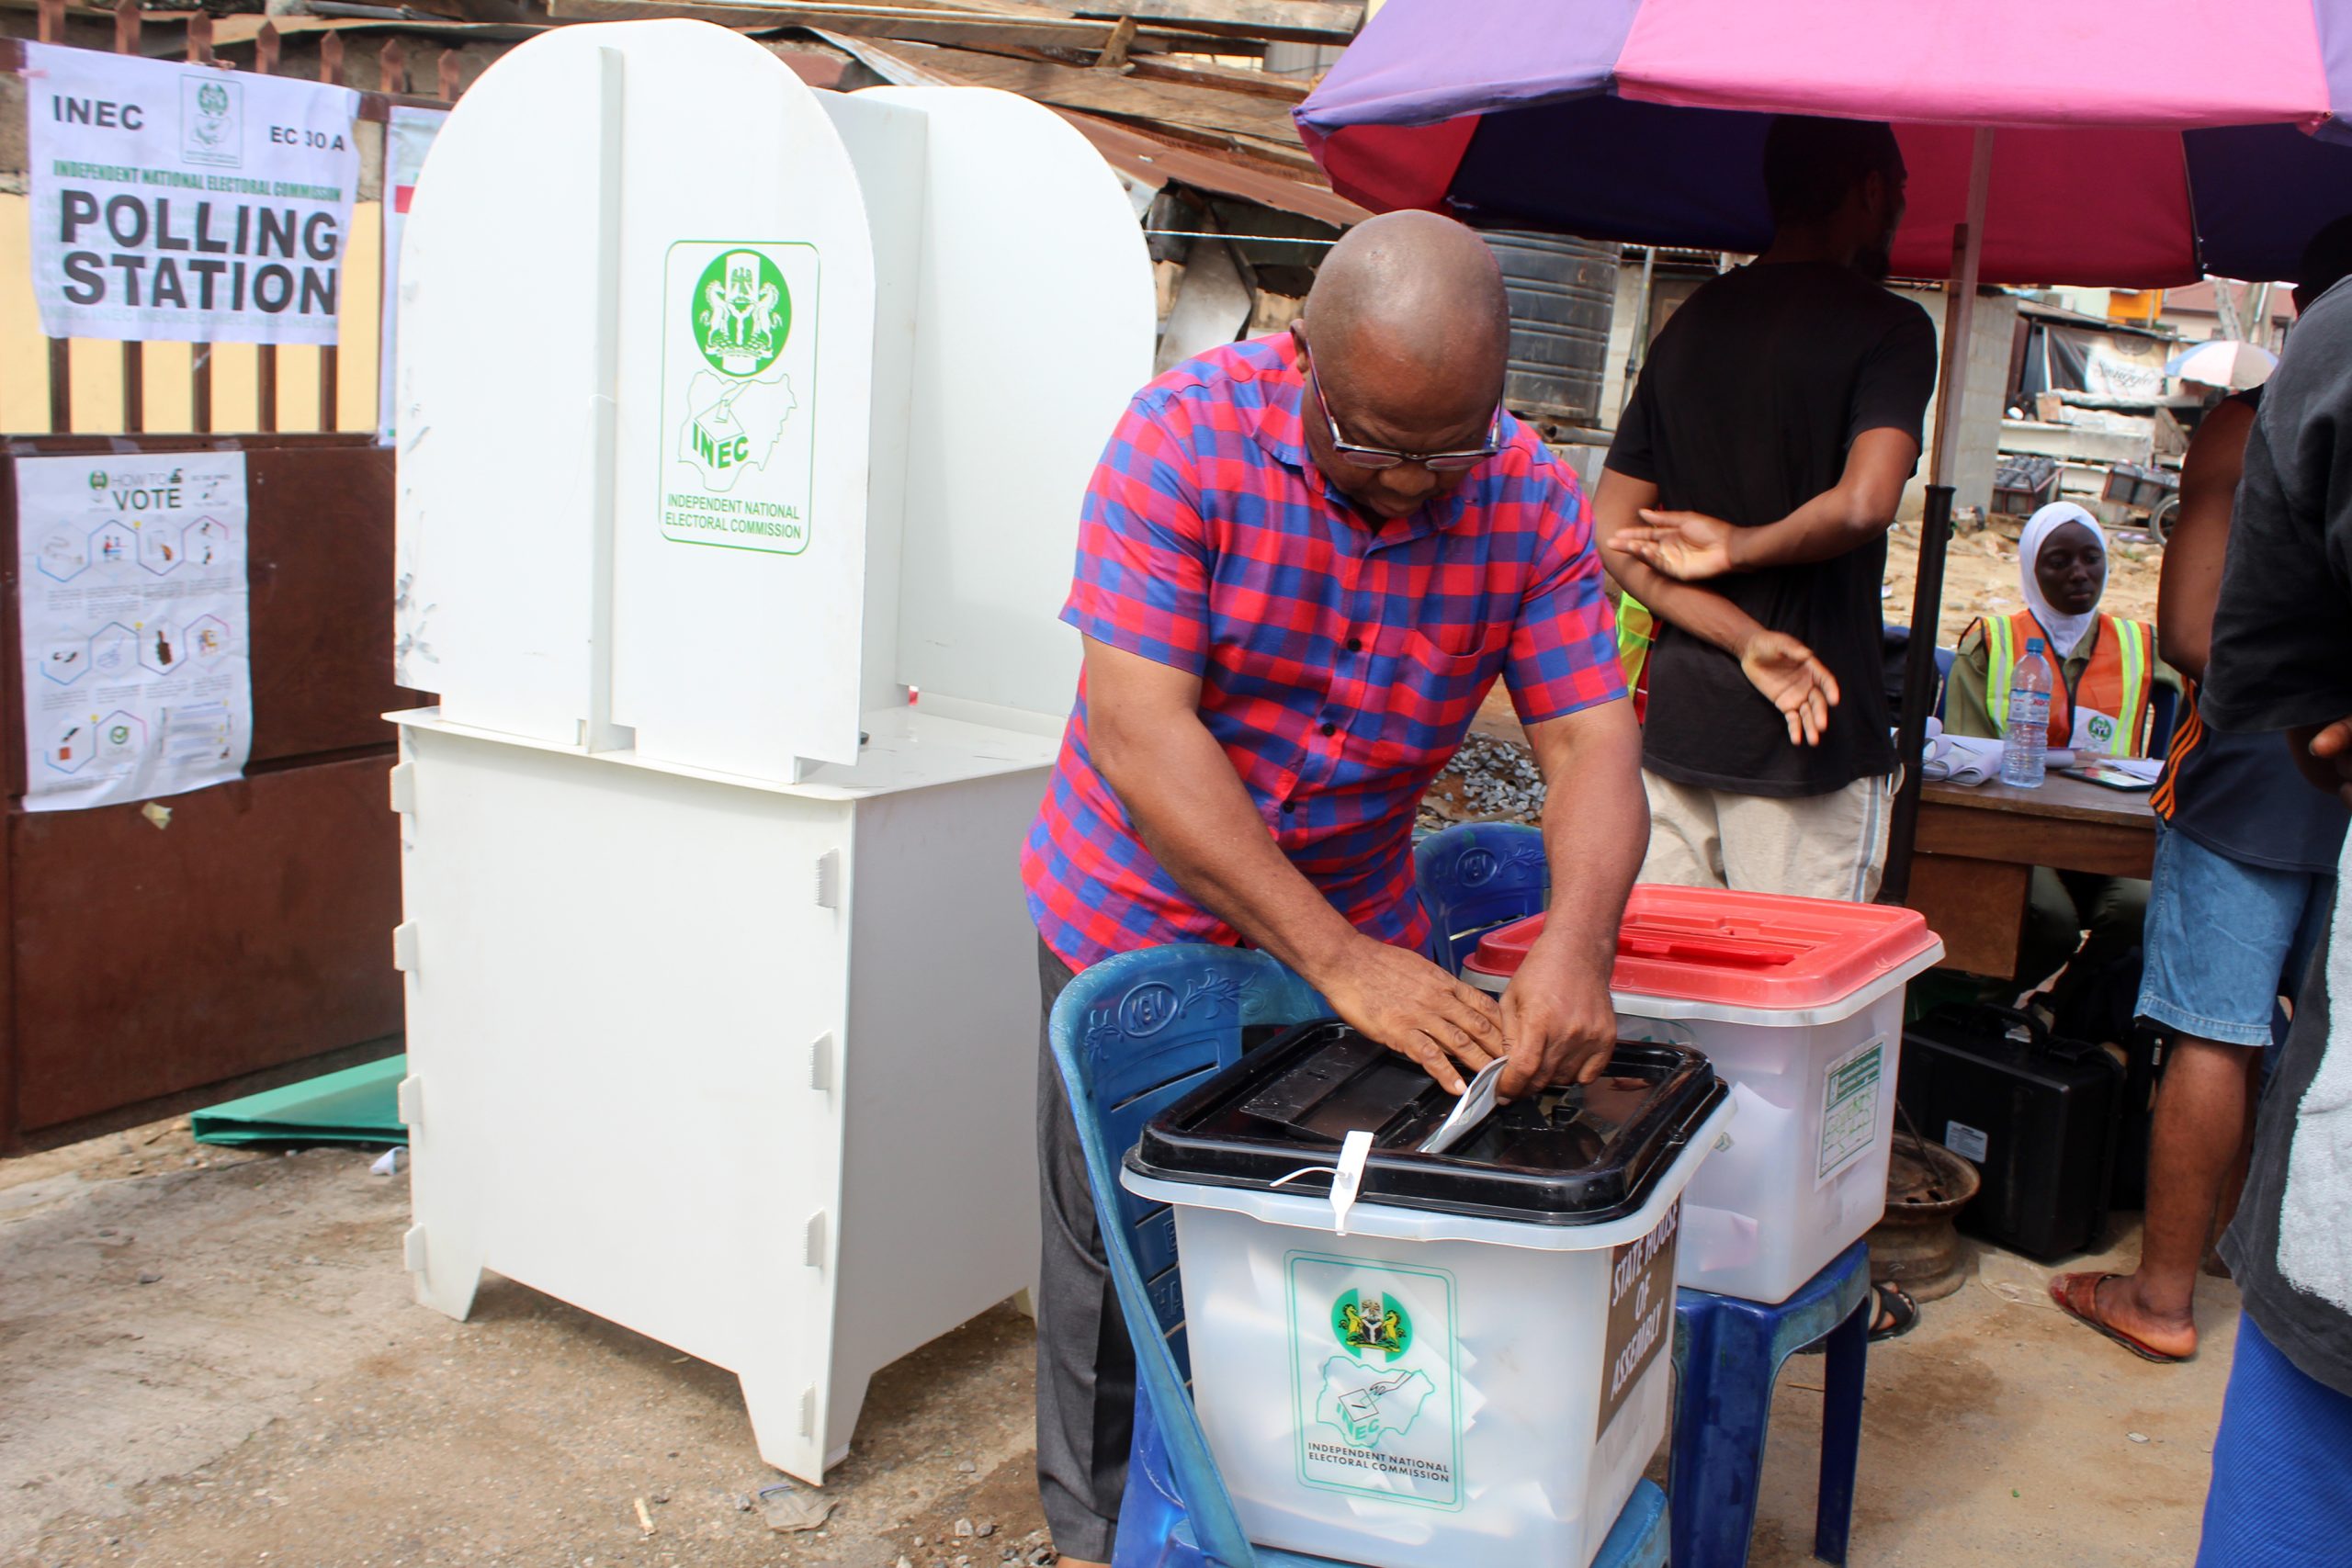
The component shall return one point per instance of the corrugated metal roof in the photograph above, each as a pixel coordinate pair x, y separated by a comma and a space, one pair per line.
1153, 162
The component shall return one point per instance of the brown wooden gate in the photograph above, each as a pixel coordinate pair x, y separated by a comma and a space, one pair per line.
255, 928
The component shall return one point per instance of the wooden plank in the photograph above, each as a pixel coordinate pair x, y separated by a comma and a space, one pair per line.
1977, 906
330, 358
1201, 74
2058, 797
1261, 120
60, 386
200, 359
966, 28
266, 47
1980, 830
1291, 160
1299, 21
1115, 53
134, 354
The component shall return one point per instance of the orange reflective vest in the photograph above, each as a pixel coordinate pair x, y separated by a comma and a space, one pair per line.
2111, 695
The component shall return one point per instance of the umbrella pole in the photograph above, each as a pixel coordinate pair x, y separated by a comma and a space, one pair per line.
1935, 525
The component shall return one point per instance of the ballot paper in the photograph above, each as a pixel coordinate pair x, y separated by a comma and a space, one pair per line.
1961, 759
1972, 759
1477, 1103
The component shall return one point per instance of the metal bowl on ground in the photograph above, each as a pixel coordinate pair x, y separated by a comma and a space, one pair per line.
1916, 1246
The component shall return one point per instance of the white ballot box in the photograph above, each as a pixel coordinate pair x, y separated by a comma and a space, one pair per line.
745, 430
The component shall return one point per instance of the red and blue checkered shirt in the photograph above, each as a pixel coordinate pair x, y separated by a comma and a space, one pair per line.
1340, 666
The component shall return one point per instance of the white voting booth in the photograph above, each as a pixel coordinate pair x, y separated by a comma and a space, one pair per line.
733, 415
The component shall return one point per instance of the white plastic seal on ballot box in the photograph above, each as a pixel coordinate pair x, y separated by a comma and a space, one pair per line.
732, 415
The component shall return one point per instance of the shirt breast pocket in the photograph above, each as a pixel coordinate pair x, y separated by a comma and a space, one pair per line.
1440, 686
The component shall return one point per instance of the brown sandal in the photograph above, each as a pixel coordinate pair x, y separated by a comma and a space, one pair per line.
2077, 1297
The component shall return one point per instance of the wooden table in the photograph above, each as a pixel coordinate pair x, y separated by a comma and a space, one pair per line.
1978, 845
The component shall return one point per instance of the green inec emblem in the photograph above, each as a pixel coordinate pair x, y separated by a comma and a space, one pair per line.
739, 324
742, 313
1371, 1324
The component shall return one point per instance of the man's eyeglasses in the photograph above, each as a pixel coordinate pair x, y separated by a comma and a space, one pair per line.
1360, 456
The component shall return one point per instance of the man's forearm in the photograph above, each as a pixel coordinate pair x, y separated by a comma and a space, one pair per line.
1703, 613
1194, 814
1595, 830
1827, 526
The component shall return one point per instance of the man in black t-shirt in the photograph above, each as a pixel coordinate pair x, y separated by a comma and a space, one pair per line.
1746, 501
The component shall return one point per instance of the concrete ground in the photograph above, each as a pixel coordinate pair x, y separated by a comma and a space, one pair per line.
211, 1358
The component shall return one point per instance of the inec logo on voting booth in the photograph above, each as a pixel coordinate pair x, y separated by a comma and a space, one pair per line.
744, 312
739, 367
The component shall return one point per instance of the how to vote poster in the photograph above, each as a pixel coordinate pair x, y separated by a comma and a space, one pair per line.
186, 203
137, 674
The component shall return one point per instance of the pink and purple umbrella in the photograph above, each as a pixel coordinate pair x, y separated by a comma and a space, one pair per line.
2138, 142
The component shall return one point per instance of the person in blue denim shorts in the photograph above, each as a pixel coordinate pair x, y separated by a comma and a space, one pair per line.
2282, 1496
2246, 859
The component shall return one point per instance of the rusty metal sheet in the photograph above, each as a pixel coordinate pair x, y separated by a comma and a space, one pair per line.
1152, 161
254, 930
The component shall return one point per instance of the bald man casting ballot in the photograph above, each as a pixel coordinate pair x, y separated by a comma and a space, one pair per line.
1302, 562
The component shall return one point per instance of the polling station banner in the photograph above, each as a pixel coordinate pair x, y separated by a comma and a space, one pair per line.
184, 202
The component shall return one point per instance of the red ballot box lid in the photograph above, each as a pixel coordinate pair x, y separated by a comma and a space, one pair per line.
1748, 950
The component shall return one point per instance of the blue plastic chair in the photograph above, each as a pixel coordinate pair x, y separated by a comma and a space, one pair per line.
1723, 1397
1132, 1035
1473, 877
1726, 1354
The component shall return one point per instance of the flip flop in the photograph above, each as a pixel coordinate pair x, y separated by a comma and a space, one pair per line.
1890, 1300
1902, 1313
2077, 1297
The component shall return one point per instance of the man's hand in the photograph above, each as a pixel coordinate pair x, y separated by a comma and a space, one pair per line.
1417, 1009
2331, 751
1800, 685
1688, 547
1559, 1021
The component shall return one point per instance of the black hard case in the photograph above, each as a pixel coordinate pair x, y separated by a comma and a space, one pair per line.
2036, 1115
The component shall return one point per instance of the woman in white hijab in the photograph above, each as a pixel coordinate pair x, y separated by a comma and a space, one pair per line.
2106, 673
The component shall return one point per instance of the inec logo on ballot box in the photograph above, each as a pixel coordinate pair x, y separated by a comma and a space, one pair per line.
1375, 1391
738, 368
1371, 1324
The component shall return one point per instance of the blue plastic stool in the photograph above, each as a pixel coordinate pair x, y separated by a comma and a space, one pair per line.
1474, 877
1726, 1354
1132, 1035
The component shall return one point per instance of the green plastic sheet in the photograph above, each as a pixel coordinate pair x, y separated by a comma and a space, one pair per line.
358, 1105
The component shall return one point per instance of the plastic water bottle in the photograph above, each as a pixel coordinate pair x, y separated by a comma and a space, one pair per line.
2025, 735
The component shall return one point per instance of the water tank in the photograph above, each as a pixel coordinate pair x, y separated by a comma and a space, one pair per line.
1563, 292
